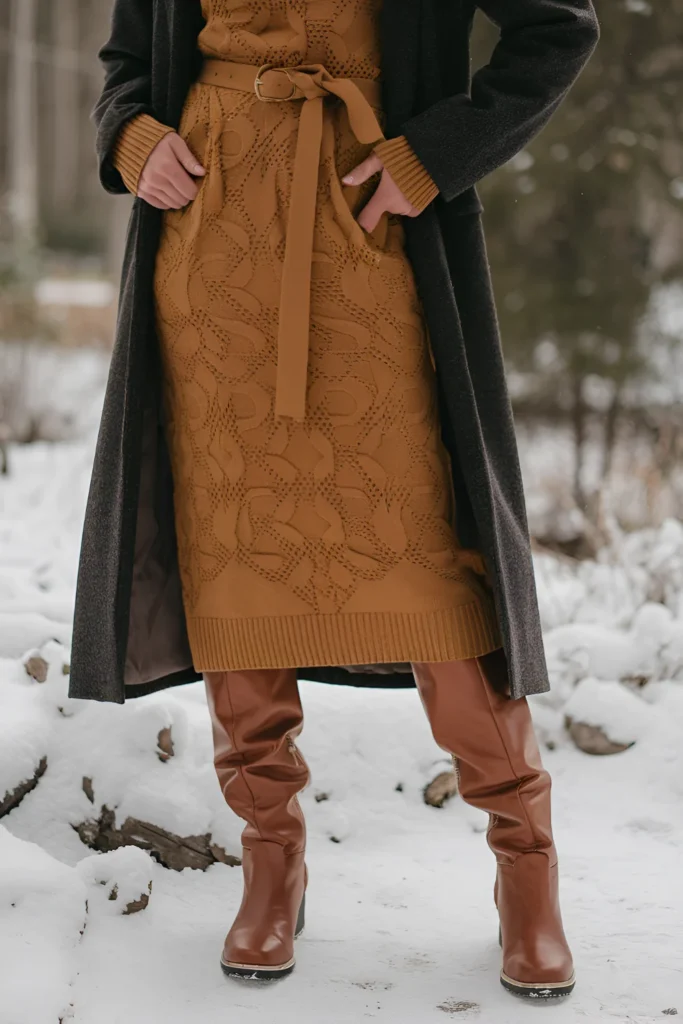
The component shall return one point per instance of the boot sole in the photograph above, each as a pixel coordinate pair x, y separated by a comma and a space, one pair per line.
531, 990
256, 972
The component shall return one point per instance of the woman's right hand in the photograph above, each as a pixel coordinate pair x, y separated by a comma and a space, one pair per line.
166, 180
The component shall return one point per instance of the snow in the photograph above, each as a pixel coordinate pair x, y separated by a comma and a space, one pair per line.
115, 880
55, 291
53, 393
622, 716
24, 736
42, 911
401, 925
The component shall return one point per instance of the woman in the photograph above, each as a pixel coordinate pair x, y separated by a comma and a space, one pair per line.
307, 366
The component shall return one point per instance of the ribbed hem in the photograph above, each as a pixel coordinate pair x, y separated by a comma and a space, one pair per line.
134, 144
362, 638
407, 170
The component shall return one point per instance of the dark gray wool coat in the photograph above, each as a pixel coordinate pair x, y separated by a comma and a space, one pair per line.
129, 629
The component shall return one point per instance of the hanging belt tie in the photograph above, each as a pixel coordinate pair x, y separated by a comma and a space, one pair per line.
311, 83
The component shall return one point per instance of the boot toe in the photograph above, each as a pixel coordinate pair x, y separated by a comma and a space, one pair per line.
548, 974
268, 951
262, 964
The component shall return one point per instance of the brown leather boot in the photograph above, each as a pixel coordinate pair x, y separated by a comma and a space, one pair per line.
494, 749
256, 715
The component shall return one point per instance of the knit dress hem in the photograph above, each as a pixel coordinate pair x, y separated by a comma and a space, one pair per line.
443, 634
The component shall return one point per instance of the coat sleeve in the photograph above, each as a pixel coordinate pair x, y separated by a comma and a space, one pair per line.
127, 61
542, 48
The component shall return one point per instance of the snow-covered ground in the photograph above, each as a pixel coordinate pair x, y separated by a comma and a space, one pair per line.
400, 920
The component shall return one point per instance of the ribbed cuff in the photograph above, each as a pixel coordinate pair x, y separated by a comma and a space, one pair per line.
134, 144
407, 170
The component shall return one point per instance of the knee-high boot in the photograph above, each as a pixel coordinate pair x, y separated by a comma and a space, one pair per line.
256, 715
492, 741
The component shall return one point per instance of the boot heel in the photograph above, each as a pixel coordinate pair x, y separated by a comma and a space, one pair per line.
300, 921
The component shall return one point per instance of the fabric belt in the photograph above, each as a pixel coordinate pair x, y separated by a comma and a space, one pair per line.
311, 83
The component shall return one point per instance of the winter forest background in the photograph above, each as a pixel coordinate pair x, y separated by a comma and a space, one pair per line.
117, 856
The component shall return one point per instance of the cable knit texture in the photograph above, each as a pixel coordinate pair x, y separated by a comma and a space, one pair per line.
407, 170
327, 540
135, 142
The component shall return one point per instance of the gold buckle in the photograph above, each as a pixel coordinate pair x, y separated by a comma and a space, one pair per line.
258, 83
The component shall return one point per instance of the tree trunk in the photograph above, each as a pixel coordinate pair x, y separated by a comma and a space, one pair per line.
579, 426
22, 118
610, 434
65, 104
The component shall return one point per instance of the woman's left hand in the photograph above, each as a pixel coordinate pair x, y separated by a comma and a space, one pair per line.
387, 197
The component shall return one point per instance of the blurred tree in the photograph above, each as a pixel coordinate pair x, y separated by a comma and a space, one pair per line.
588, 221
66, 122
22, 125
49, 81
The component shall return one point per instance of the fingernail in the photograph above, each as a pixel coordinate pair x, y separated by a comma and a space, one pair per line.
198, 169
348, 179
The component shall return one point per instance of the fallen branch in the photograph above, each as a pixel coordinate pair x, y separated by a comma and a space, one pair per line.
14, 797
441, 789
592, 739
171, 850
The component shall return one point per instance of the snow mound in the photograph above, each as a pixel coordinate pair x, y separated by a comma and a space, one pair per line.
25, 732
42, 916
118, 882
622, 716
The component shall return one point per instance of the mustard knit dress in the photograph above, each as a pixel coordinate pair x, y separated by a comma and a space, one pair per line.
313, 497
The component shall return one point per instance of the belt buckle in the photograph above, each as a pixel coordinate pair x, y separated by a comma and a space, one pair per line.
258, 83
